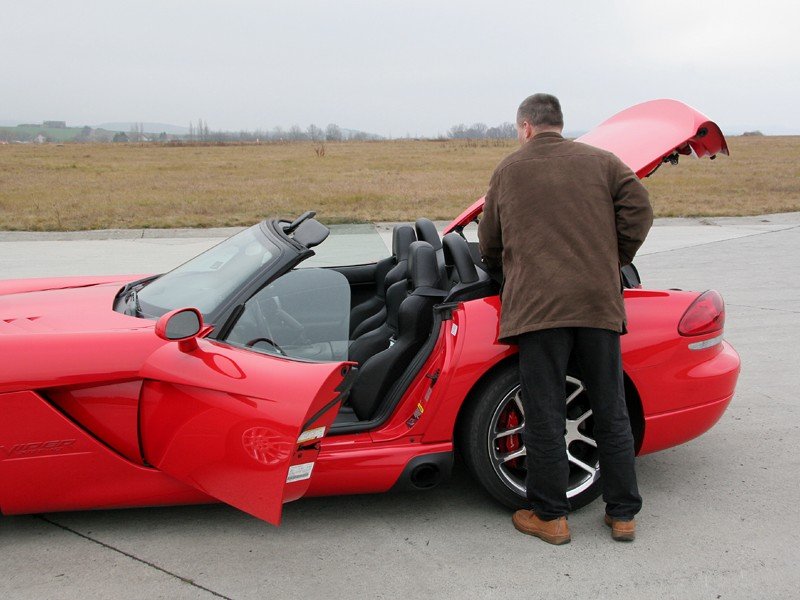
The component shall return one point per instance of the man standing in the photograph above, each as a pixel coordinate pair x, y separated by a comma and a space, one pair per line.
562, 218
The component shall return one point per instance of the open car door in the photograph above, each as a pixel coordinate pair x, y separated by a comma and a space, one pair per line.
644, 137
240, 426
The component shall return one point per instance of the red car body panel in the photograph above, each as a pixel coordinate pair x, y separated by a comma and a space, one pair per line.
19, 286
676, 427
358, 465
97, 411
49, 463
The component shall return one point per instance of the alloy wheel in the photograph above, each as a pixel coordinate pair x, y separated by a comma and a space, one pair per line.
507, 451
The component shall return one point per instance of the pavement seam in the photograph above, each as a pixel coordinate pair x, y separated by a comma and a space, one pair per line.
784, 310
741, 237
136, 558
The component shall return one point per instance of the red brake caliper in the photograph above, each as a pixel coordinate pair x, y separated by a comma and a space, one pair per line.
508, 420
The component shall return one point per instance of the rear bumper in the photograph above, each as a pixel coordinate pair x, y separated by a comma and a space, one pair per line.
682, 403
673, 428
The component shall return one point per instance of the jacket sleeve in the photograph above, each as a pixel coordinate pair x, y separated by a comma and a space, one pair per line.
490, 238
634, 215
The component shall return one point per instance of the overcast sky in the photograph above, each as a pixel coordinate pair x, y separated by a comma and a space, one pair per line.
395, 68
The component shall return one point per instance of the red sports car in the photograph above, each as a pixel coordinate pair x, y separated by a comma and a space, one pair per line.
244, 377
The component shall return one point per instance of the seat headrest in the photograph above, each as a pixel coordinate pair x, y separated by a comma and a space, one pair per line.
402, 236
456, 253
426, 232
423, 266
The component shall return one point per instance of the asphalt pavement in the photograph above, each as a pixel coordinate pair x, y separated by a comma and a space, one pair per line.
720, 517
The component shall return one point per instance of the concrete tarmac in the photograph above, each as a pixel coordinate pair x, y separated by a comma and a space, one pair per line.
720, 517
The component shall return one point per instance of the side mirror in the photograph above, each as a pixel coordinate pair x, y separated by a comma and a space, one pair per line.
181, 325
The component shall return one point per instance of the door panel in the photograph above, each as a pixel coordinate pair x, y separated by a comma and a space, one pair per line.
227, 422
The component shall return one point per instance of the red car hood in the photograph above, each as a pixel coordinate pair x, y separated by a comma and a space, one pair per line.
18, 286
64, 304
643, 137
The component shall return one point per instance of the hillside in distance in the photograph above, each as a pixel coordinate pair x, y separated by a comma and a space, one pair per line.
148, 127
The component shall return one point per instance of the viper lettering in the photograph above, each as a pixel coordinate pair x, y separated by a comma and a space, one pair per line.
35, 448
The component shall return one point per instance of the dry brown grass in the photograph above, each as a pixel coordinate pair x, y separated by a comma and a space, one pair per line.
73, 187
762, 175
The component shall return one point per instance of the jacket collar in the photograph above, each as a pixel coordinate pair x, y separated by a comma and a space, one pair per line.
545, 135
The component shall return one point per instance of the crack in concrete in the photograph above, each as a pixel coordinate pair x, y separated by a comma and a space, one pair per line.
741, 237
185, 580
783, 310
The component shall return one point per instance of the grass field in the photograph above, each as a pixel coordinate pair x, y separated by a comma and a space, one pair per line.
75, 186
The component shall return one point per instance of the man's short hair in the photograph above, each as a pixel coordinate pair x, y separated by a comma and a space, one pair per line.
541, 110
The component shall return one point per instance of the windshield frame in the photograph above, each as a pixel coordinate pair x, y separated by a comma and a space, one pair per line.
289, 254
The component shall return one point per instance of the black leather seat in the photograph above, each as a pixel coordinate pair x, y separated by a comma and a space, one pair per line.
467, 282
377, 340
371, 313
413, 326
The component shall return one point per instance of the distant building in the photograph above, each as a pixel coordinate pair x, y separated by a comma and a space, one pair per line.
55, 124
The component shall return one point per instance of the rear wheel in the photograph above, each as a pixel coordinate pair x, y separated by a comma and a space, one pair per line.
490, 439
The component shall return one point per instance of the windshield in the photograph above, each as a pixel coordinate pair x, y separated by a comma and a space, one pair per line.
208, 279
302, 314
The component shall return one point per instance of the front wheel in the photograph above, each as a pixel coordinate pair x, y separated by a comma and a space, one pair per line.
490, 439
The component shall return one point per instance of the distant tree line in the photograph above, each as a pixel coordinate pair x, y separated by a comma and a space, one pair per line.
480, 131
199, 131
332, 133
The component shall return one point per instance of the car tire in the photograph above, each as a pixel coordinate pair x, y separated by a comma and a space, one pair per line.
494, 408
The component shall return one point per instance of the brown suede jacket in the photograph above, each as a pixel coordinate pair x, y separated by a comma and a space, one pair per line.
561, 217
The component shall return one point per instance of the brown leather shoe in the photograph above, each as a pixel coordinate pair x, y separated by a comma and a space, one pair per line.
553, 532
622, 531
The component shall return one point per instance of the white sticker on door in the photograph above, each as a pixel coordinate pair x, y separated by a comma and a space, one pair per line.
299, 472
311, 434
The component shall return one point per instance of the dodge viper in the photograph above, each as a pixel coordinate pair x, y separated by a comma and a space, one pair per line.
248, 377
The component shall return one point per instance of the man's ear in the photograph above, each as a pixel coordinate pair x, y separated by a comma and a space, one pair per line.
528, 128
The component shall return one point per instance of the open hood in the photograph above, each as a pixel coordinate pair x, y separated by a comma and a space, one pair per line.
644, 136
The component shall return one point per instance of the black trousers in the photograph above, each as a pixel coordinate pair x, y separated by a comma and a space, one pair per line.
544, 356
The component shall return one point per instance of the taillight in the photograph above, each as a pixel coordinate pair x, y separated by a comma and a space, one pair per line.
705, 315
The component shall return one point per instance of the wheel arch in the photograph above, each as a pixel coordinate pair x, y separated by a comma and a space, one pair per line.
509, 362
635, 411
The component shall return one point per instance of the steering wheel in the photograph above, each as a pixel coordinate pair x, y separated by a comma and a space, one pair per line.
253, 342
286, 321
291, 323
